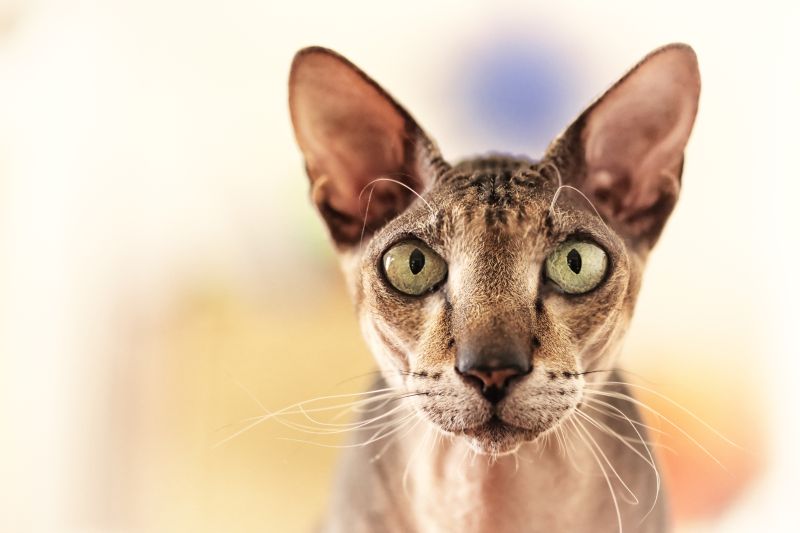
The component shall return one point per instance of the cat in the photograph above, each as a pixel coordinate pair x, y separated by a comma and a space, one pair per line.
494, 295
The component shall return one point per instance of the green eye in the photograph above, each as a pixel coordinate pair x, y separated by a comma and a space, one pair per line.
413, 268
577, 266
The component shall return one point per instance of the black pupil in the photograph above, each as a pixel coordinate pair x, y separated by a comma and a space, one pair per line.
574, 261
416, 261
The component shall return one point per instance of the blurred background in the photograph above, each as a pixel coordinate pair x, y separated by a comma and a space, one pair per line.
163, 277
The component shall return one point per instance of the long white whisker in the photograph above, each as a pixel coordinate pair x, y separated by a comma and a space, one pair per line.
562, 446
287, 410
643, 405
363, 409
388, 391
651, 462
305, 413
389, 424
605, 428
561, 186
430, 208
569, 441
236, 434
596, 401
310, 430
605, 474
248, 393
392, 441
412, 457
366, 213
348, 427
594, 404
608, 462
681, 407
356, 445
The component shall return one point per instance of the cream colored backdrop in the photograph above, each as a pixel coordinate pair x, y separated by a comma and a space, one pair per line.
159, 257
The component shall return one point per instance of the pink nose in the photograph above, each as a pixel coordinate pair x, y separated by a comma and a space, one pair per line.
492, 362
494, 377
492, 381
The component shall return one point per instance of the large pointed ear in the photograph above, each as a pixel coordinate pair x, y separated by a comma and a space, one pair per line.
358, 144
626, 151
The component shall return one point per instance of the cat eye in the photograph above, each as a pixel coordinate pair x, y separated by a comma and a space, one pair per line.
413, 268
577, 266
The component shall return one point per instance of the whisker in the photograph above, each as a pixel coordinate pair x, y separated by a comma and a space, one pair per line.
569, 441
412, 457
402, 422
597, 401
605, 428
366, 213
380, 372
428, 205
389, 443
605, 475
643, 405
384, 402
561, 186
608, 370
357, 445
651, 462
610, 466
312, 431
343, 428
301, 409
682, 408
346, 395
362, 408
562, 446
247, 392
593, 405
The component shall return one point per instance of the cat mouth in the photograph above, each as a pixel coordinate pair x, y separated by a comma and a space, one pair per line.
496, 436
494, 425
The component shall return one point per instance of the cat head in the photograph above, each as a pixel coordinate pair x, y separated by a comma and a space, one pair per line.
491, 289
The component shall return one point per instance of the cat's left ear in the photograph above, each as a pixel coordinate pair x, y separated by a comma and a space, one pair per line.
358, 144
626, 150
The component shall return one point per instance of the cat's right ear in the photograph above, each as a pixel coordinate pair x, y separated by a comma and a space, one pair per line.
626, 151
358, 144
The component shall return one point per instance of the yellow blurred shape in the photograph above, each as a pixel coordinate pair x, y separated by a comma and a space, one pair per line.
224, 354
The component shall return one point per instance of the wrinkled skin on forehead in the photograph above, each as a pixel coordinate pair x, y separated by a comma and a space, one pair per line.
490, 219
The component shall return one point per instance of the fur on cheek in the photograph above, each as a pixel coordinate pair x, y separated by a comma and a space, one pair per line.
388, 350
542, 400
449, 404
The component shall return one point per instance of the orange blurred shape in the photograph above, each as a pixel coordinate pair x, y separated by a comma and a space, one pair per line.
729, 425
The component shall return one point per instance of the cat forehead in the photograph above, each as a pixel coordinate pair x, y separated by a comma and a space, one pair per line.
485, 196
495, 193
495, 202
497, 184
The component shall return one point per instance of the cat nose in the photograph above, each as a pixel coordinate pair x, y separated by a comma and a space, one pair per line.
492, 373
493, 381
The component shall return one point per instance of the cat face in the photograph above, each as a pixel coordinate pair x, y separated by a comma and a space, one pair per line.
490, 291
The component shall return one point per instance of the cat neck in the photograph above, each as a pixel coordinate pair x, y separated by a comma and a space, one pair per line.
456, 489
448, 487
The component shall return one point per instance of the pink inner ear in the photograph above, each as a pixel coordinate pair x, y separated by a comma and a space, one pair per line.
635, 136
350, 133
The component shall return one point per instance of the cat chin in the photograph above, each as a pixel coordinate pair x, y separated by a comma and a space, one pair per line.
497, 438
493, 448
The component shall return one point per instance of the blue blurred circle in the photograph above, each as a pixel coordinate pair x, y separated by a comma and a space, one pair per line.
517, 91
